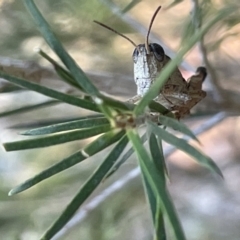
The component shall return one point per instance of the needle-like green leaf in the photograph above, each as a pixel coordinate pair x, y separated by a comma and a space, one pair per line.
116, 104
78, 124
51, 93
47, 122
156, 183
28, 108
56, 138
125, 157
157, 212
159, 108
185, 147
57, 47
131, 5
62, 73
176, 125
102, 142
157, 156
89, 186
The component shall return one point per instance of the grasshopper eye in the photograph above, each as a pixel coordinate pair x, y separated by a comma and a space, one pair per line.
157, 51
135, 55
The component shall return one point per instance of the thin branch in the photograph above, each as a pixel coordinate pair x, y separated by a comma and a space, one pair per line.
114, 83
34, 72
218, 93
120, 183
28, 70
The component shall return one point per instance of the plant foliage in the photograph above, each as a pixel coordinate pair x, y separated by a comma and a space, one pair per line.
118, 124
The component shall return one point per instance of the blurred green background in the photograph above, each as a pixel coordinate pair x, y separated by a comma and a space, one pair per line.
208, 207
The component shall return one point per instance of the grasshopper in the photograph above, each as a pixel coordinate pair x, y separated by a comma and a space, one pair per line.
177, 94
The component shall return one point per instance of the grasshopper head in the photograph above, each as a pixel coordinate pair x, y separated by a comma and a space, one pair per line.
147, 64
148, 59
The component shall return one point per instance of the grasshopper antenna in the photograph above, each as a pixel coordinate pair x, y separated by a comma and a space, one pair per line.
149, 29
120, 34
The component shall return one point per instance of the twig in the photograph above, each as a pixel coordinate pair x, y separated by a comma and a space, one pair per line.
34, 72
120, 183
218, 94
29, 70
